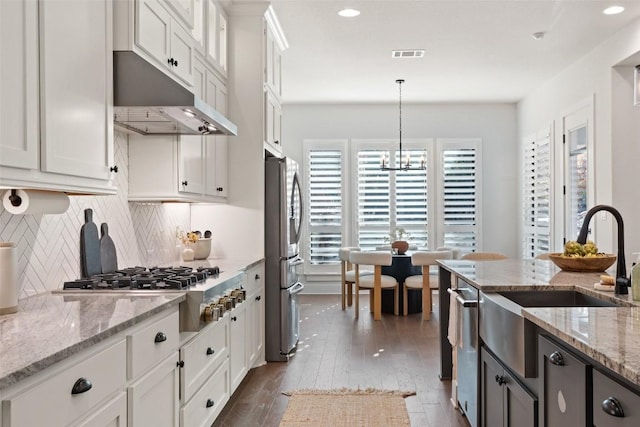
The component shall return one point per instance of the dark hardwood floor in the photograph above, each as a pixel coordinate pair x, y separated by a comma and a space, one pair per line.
335, 350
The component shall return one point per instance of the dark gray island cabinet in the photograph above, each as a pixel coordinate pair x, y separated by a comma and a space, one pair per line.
505, 400
564, 366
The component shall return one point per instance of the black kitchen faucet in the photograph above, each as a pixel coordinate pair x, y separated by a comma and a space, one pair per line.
622, 281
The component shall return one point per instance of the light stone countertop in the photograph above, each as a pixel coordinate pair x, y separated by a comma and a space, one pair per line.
609, 335
50, 327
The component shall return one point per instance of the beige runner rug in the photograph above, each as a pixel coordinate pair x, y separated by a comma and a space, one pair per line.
345, 407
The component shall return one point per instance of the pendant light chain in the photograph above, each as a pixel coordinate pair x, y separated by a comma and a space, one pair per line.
401, 166
400, 81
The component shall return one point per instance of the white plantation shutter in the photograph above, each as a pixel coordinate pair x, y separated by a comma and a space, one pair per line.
459, 207
411, 195
374, 210
437, 206
324, 201
537, 194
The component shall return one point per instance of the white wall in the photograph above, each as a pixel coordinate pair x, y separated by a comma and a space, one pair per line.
617, 130
495, 124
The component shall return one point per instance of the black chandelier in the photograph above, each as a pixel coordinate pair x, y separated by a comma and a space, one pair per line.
406, 166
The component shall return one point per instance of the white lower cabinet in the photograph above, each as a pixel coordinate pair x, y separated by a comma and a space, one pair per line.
237, 346
153, 399
209, 401
112, 414
71, 394
202, 356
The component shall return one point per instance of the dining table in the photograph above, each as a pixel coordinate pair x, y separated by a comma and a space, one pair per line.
400, 269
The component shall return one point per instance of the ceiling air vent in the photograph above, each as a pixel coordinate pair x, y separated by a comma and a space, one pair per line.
407, 53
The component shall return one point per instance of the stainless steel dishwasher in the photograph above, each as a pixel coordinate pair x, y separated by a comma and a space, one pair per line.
467, 349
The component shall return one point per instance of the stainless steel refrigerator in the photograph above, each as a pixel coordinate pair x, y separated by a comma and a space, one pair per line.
283, 223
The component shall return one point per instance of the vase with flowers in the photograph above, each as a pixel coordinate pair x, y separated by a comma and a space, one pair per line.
188, 239
398, 238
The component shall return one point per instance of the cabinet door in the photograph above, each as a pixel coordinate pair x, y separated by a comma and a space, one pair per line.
237, 346
183, 9
76, 127
520, 406
190, 171
110, 414
153, 30
255, 335
269, 57
212, 31
181, 52
19, 144
153, 399
608, 397
277, 70
563, 379
492, 408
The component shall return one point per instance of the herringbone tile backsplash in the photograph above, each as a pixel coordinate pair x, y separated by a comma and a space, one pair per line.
48, 246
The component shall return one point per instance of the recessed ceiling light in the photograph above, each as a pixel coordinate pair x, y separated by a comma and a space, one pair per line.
539, 35
349, 13
613, 10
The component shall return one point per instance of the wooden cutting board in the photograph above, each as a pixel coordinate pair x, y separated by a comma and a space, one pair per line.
108, 258
89, 246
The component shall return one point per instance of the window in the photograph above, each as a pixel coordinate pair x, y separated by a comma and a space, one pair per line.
459, 204
537, 194
577, 136
437, 206
323, 178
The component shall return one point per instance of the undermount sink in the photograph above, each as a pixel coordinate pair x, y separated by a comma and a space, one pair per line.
549, 298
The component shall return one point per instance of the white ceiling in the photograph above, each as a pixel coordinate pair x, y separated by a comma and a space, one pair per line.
476, 50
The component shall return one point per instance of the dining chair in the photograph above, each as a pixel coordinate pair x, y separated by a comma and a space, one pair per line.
484, 256
348, 275
425, 282
455, 253
374, 283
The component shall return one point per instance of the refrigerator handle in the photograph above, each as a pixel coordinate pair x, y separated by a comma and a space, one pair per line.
296, 261
298, 287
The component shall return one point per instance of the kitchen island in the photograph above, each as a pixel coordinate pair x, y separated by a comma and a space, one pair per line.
605, 339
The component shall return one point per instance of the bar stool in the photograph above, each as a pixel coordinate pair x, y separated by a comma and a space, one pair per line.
376, 282
424, 282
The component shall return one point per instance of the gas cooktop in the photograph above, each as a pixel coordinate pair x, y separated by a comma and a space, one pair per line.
142, 278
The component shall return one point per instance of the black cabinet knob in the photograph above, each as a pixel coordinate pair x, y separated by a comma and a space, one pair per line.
180, 364
175, 63
219, 189
258, 298
114, 169
210, 351
612, 407
234, 318
185, 183
210, 403
170, 61
257, 277
81, 385
500, 379
556, 359
276, 142
160, 337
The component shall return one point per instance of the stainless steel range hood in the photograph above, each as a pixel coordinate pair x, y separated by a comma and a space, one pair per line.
149, 102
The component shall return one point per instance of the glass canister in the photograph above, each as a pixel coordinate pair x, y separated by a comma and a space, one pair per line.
8, 278
635, 282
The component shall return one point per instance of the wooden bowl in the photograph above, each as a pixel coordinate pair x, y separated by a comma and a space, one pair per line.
583, 264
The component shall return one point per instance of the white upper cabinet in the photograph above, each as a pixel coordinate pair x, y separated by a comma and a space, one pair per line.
210, 34
19, 83
185, 10
258, 43
56, 95
157, 31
